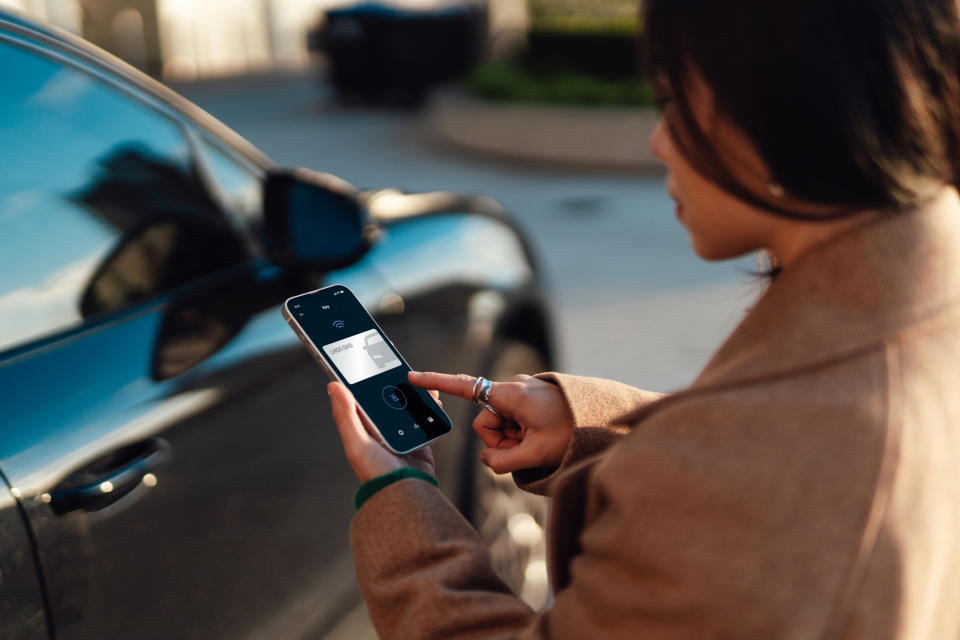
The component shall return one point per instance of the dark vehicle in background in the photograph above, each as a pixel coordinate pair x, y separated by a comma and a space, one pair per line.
168, 464
379, 52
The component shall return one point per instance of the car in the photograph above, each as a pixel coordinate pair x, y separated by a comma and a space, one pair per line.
378, 351
384, 52
168, 464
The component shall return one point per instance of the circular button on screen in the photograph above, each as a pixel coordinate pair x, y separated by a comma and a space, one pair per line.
394, 398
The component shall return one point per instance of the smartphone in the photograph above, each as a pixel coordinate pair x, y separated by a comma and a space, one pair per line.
352, 348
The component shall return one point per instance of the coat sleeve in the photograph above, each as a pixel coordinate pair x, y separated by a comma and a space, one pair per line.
596, 405
426, 574
716, 520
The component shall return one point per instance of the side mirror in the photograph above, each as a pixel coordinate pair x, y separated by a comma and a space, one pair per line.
315, 220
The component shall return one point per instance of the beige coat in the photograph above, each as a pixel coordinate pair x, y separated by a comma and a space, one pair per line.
807, 485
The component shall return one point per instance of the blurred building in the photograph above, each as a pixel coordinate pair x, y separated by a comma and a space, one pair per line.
63, 13
186, 39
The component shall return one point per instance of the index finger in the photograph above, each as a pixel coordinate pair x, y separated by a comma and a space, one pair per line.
457, 385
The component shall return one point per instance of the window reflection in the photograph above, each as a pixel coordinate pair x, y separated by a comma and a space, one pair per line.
170, 236
239, 185
100, 205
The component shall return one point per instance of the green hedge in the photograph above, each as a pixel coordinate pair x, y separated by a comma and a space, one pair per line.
514, 82
577, 24
584, 61
605, 54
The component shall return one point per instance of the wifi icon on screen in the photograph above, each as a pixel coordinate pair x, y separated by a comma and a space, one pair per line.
338, 324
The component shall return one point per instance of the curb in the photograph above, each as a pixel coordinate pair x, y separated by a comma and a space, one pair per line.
600, 138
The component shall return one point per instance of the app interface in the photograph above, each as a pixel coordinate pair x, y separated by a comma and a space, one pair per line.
362, 356
340, 327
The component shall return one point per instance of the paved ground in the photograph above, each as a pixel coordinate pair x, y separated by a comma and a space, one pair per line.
632, 301
598, 138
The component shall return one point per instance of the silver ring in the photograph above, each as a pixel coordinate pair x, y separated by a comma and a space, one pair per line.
484, 395
476, 388
493, 411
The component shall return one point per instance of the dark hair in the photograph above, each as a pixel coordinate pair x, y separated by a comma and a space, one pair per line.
854, 104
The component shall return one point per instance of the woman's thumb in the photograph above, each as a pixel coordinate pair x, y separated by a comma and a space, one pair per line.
344, 410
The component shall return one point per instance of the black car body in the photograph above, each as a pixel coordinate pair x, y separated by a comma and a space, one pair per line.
169, 465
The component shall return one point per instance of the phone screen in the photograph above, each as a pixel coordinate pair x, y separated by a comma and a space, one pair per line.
365, 360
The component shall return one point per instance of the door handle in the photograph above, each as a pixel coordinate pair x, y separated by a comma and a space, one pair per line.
108, 478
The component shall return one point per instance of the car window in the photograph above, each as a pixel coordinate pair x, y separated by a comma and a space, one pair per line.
238, 184
100, 203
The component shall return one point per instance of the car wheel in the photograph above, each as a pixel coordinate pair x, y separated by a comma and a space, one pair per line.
512, 522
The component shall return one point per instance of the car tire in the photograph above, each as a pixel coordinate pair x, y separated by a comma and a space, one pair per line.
511, 521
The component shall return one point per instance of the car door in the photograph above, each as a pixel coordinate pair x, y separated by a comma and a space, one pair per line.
161, 427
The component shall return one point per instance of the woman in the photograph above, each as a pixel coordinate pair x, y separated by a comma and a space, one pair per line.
806, 484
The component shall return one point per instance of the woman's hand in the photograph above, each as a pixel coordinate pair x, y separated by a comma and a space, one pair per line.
536, 426
365, 454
